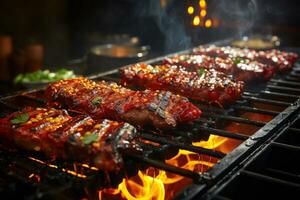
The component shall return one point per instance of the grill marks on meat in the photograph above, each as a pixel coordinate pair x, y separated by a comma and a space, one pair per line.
58, 135
110, 100
207, 86
280, 60
241, 69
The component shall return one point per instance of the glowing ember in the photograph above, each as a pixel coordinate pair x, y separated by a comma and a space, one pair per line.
74, 173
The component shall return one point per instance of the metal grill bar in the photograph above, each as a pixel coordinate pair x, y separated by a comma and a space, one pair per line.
286, 146
279, 81
269, 179
183, 172
294, 74
256, 110
280, 94
267, 101
292, 78
182, 145
282, 88
248, 93
236, 119
223, 133
296, 130
210, 109
286, 174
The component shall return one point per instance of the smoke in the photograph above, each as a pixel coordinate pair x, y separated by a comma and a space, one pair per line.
245, 13
169, 24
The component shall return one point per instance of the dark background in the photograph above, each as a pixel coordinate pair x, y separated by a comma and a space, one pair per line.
67, 28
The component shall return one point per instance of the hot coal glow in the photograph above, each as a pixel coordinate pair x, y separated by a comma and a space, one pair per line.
154, 184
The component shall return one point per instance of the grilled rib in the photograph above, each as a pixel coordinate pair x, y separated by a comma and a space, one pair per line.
109, 100
281, 60
207, 85
58, 135
241, 69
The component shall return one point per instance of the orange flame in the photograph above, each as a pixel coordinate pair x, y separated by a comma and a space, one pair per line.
149, 186
150, 189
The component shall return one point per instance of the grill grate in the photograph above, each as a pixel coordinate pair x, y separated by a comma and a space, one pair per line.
267, 99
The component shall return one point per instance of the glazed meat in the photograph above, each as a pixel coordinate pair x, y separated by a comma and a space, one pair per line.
241, 69
280, 60
112, 101
58, 135
205, 85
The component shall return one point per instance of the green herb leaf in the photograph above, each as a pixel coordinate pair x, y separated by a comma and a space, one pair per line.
19, 119
201, 71
96, 101
89, 138
238, 60
44, 76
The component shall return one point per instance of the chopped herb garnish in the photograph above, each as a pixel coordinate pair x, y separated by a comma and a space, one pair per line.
89, 138
238, 60
96, 101
19, 119
44, 76
201, 71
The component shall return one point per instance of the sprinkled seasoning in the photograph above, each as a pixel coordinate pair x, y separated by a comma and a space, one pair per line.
178, 79
117, 101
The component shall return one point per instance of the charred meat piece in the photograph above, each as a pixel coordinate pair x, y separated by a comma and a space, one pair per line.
195, 62
280, 60
283, 60
205, 85
58, 135
112, 101
242, 69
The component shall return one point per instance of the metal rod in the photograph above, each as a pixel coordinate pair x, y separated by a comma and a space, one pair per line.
269, 179
280, 94
256, 110
236, 119
296, 130
279, 81
211, 109
292, 78
297, 75
286, 174
207, 121
267, 101
248, 93
160, 165
286, 146
223, 133
283, 88
182, 145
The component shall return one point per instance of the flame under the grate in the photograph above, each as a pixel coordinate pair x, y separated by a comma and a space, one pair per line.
154, 184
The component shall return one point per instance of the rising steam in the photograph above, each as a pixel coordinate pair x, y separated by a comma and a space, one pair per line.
244, 13
170, 25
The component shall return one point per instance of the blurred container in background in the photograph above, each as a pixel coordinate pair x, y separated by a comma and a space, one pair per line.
34, 56
6, 48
